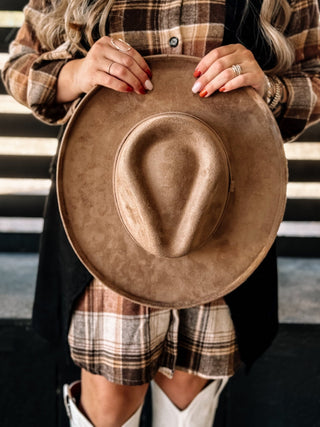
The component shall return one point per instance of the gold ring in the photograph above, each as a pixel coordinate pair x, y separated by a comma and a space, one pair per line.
109, 67
237, 70
121, 48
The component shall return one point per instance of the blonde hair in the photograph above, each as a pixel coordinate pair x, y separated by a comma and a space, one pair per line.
70, 20
277, 12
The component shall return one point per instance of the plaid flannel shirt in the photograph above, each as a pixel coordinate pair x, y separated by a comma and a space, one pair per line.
30, 74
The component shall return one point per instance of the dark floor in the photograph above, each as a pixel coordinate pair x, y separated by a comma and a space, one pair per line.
282, 389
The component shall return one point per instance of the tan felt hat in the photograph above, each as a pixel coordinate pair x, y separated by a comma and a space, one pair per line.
170, 199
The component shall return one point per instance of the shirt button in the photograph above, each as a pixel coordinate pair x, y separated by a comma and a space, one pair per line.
174, 41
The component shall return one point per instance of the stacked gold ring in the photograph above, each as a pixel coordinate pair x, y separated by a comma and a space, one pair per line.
237, 70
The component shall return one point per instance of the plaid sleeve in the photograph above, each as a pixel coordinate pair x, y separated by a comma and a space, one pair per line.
302, 82
30, 74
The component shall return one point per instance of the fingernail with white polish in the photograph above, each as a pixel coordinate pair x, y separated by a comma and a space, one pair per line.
148, 85
196, 87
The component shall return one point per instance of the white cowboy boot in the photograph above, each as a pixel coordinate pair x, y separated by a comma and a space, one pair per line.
200, 412
77, 419
71, 393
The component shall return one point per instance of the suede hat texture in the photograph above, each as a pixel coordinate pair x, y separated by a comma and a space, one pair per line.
169, 199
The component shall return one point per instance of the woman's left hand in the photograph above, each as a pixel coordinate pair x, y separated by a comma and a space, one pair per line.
215, 72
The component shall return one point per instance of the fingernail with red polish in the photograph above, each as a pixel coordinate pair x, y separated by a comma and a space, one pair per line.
222, 89
129, 89
197, 74
142, 91
203, 93
149, 73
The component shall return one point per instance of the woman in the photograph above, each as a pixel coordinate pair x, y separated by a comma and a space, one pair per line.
63, 50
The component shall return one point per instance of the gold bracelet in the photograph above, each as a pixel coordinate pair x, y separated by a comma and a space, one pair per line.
268, 90
273, 92
277, 95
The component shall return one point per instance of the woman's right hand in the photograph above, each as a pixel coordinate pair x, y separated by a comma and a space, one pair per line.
111, 63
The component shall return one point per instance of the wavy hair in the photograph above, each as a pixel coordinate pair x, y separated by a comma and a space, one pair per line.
274, 19
76, 21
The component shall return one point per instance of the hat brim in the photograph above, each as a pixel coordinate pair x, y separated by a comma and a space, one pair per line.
254, 210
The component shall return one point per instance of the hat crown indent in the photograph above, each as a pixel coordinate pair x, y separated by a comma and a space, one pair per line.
171, 183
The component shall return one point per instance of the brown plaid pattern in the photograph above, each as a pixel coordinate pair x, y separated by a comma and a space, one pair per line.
128, 342
149, 26
30, 74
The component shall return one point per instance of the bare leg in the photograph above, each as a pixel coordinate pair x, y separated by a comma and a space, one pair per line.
107, 404
182, 388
